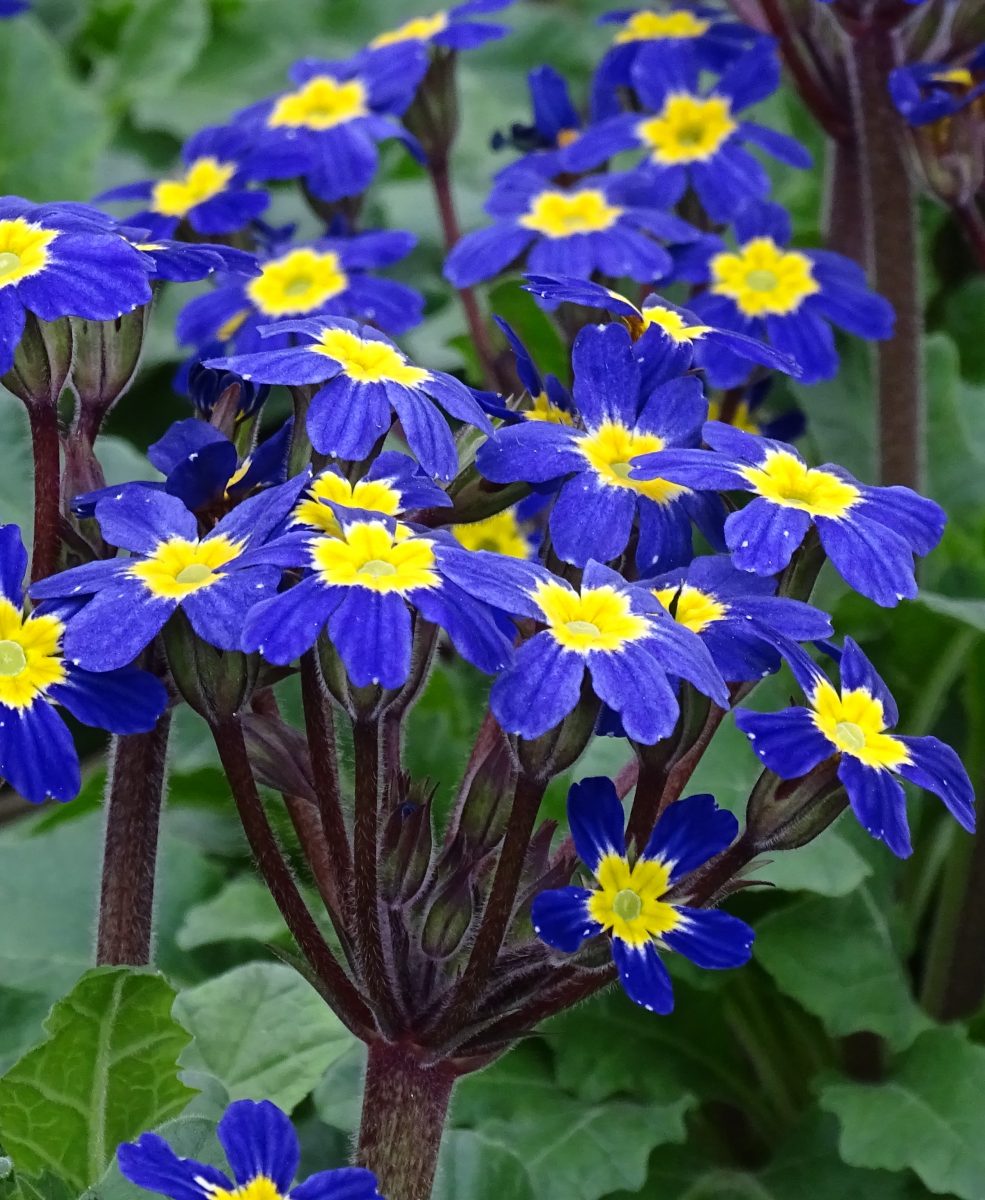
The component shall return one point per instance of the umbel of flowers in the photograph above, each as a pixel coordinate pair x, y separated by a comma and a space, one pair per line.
626, 553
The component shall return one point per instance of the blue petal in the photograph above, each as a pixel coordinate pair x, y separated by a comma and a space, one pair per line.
539, 690
11, 327
474, 629
485, 252
607, 375
935, 767
763, 536
871, 558
150, 1163
127, 700
253, 520
372, 633
857, 672
503, 582
347, 417
140, 520
98, 638
13, 564
643, 976
37, 755
689, 833
531, 451
259, 1140
346, 1183
282, 629
711, 939
561, 919
425, 430
634, 684
808, 340
217, 612
596, 820
879, 803
787, 742
919, 521
591, 519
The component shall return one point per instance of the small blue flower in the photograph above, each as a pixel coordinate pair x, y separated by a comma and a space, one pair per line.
854, 722
549, 399
556, 124
452, 28
262, 1150
870, 533
364, 380
928, 92
630, 901
37, 754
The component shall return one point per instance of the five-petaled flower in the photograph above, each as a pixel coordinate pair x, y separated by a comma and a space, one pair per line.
630, 900
452, 28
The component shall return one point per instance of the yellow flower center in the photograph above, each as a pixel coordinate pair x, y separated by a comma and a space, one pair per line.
260, 1188
205, 178
672, 323
687, 129
960, 76
785, 480
543, 410
500, 533
30, 658
366, 360
598, 619
373, 495
368, 555
23, 249
610, 450
628, 901
419, 29
566, 137
855, 722
695, 609
322, 103
740, 418
648, 26
297, 282
561, 214
179, 567
763, 279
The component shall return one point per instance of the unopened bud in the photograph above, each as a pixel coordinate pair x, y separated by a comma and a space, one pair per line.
407, 841
215, 683
42, 361
105, 361
449, 917
786, 814
433, 114
486, 809
279, 755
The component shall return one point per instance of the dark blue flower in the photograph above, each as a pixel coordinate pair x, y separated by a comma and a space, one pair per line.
393, 486
556, 123
927, 92
549, 399
206, 387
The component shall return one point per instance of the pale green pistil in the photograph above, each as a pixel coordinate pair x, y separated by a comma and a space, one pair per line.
627, 904
9, 262
621, 469
194, 573
850, 735
298, 286
13, 660
761, 281
377, 567
586, 627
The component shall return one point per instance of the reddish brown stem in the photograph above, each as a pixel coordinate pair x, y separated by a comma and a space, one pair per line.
46, 450
811, 89
320, 730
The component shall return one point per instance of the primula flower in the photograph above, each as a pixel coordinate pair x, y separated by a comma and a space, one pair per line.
617, 632
855, 722
927, 92
629, 405
549, 399
263, 1153
210, 579
327, 278
206, 387
629, 900
361, 587
393, 485
451, 28
37, 754
566, 229
63, 260
765, 290
556, 124
364, 379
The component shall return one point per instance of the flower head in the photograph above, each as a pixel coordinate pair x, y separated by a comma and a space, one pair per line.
556, 124
928, 92
393, 485
629, 900
854, 722
452, 28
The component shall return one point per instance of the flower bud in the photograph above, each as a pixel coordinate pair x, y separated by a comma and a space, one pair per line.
449, 916
279, 755
407, 842
42, 361
486, 810
555, 751
433, 114
787, 814
104, 364
215, 683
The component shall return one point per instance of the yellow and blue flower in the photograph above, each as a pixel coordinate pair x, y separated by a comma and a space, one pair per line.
854, 722
393, 486
556, 124
629, 405
324, 278
37, 754
364, 380
452, 28
925, 93
870, 533
692, 138
639, 903
263, 1154
546, 397
791, 297
211, 579
63, 260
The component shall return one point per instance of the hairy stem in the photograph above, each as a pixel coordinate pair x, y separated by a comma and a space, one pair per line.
320, 730
46, 450
844, 229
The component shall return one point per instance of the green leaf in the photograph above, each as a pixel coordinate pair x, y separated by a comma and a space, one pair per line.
963, 306
955, 433
837, 959
159, 43
338, 1094
829, 866
968, 612
927, 1116
107, 1072
475, 1167
263, 1031
522, 1082
243, 909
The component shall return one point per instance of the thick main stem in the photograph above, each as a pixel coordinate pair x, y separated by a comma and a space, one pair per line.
844, 230
46, 450
405, 1105
134, 797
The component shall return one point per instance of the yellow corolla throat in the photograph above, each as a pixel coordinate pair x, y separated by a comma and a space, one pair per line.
960, 76
322, 103
649, 26
541, 409
179, 567
558, 214
784, 479
206, 177
366, 360
500, 533
298, 282
30, 658
628, 901
687, 129
610, 450
695, 609
23, 249
598, 619
260, 1188
419, 29
672, 323
854, 721
371, 556
764, 279
372, 495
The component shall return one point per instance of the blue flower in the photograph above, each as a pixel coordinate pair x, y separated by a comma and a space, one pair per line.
362, 585
452, 28
185, 262
618, 633
854, 722
262, 1150
744, 625
629, 405
37, 754
571, 229
556, 124
928, 92
764, 290
206, 387
211, 579
691, 137
365, 379
870, 533
326, 278
549, 399
639, 903
393, 486
63, 260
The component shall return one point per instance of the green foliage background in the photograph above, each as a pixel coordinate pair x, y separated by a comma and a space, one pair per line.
816, 1071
